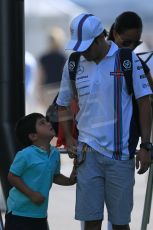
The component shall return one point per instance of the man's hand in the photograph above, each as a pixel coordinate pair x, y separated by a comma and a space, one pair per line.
71, 147
37, 198
143, 160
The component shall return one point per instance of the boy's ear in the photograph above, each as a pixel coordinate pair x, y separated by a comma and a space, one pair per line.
32, 136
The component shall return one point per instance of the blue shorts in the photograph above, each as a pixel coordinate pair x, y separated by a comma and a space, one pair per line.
104, 180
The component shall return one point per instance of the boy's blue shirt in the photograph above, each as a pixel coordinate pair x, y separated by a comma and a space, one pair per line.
37, 169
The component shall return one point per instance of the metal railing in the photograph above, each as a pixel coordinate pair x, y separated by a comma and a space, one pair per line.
148, 200
1, 222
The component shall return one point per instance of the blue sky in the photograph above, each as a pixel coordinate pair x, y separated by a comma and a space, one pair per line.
109, 9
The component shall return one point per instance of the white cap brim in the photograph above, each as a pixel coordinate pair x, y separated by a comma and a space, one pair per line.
79, 46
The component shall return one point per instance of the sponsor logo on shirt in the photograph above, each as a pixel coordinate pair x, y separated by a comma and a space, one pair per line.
116, 74
82, 77
137, 60
145, 85
127, 64
71, 65
139, 67
80, 69
142, 76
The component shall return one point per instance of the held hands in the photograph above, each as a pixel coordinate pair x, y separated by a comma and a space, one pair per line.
37, 198
71, 147
60, 179
143, 160
73, 177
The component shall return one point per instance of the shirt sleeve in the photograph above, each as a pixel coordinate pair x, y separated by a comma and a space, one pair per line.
19, 164
65, 93
145, 67
140, 83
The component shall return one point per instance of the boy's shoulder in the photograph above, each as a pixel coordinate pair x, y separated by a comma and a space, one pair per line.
26, 151
54, 151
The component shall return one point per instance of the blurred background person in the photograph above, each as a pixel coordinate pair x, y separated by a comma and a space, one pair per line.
30, 82
50, 68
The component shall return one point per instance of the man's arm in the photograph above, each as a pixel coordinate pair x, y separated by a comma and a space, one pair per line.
143, 158
150, 80
65, 118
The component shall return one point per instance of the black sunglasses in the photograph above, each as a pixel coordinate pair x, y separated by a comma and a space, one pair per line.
127, 43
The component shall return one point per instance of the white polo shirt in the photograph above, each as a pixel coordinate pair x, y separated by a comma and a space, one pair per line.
104, 119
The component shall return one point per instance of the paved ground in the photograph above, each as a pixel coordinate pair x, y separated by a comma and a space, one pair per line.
62, 200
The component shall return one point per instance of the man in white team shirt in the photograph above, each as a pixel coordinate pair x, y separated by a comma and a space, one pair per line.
106, 142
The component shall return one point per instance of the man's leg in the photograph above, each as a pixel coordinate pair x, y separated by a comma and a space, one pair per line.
109, 226
121, 227
93, 225
82, 225
119, 193
90, 188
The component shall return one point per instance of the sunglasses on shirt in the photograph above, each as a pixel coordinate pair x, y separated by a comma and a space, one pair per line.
127, 43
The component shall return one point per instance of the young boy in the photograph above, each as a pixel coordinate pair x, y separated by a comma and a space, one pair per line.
32, 173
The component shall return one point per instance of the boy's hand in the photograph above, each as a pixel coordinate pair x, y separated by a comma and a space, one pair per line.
37, 198
73, 177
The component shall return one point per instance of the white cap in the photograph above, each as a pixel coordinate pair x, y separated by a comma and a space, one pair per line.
84, 29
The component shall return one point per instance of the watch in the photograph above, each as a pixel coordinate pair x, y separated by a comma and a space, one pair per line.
146, 145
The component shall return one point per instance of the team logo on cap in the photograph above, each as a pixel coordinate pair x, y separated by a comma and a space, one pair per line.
72, 31
71, 65
127, 64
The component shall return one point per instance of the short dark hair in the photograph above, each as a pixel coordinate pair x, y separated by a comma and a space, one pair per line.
125, 21
105, 33
24, 127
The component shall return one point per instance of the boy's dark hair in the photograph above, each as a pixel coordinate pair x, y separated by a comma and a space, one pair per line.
25, 126
125, 21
